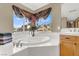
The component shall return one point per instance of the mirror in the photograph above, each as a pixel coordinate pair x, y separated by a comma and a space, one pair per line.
65, 23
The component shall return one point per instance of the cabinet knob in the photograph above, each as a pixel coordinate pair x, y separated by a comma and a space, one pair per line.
75, 44
67, 38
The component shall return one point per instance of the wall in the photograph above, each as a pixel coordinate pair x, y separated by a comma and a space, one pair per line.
64, 22
5, 18
56, 14
56, 11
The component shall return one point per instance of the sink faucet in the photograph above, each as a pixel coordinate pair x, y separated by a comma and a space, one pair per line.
70, 30
78, 30
74, 30
19, 44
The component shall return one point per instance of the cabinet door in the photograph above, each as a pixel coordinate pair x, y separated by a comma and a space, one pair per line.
77, 47
66, 48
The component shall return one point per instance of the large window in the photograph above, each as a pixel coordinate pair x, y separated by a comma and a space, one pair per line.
20, 24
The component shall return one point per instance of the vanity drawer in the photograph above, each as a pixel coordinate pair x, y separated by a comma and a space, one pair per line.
67, 38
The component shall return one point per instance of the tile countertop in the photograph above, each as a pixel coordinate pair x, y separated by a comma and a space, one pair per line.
70, 33
54, 41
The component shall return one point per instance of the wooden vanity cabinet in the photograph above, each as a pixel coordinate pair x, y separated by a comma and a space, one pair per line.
69, 45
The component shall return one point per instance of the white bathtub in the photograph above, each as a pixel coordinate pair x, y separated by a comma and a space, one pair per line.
49, 46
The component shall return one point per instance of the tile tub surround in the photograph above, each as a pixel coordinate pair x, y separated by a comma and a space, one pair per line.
5, 38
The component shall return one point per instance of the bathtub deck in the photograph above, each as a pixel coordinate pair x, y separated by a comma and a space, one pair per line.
52, 46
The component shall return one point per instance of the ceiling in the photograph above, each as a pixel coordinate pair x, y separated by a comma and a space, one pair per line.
70, 10
34, 6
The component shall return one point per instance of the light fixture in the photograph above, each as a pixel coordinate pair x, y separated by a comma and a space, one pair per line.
28, 26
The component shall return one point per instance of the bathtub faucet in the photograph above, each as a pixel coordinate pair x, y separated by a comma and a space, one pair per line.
19, 44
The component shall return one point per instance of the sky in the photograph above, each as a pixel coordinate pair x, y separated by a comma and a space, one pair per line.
18, 22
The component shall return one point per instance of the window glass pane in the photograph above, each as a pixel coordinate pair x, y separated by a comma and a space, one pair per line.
44, 23
17, 23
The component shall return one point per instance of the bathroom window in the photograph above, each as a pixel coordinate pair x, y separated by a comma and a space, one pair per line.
19, 23
22, 24
44, 24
